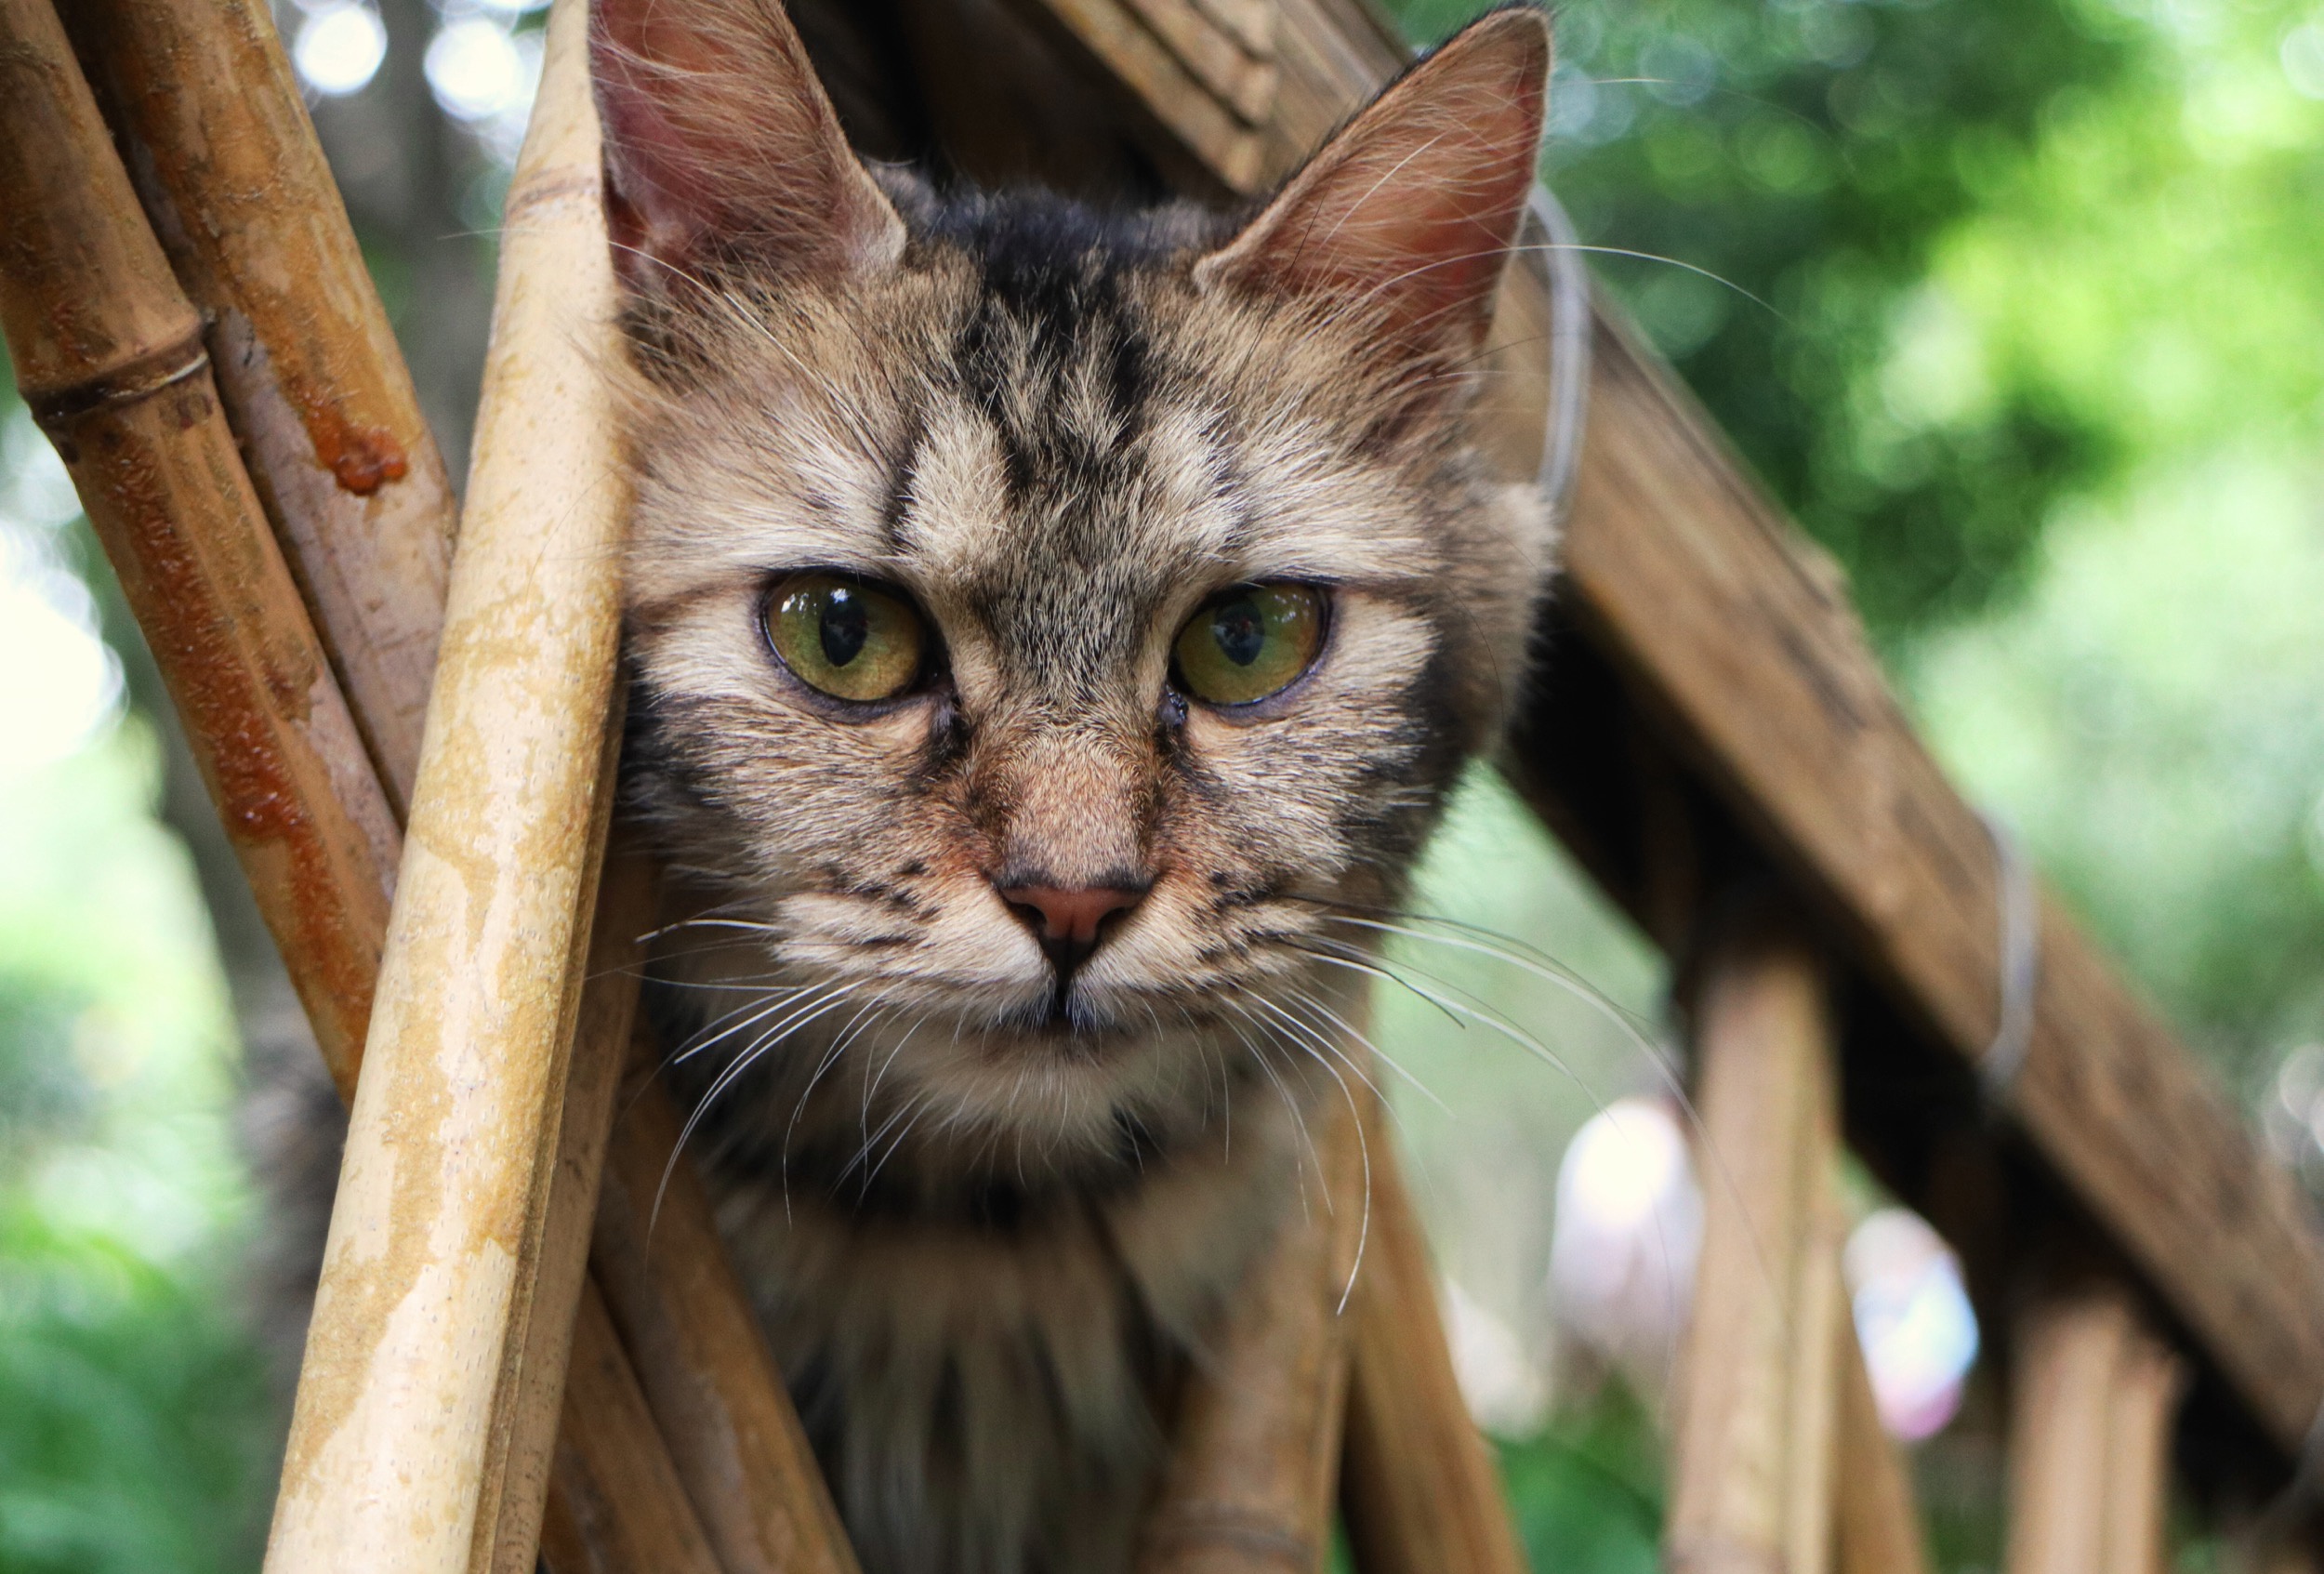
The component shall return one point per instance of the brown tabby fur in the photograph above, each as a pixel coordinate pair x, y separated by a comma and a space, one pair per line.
986, 1218
989, 1220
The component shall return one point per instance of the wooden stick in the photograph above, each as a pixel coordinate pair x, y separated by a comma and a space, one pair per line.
608, 976
1877, 1523
423, 1370
319, 392
2149, 1384
1257, 1446
616, 1506
1418, 1489
1757, 1398
701, 1360
2091, 1408
108, 354
108, 350
226, 160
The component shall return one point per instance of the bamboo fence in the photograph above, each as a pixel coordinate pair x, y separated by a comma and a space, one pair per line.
500, 1361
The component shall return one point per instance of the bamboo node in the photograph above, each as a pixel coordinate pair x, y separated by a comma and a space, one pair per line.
1231, 1529
140, 377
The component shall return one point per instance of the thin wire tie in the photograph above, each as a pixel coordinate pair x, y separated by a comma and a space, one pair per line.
1569, 352
2020, 906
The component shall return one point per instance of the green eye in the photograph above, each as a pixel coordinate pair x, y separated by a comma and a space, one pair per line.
1249, 642
849, 639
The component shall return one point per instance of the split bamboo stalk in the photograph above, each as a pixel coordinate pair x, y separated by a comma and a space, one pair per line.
701, 1360
1418, 1491
1758, 1402
108, 354
1251, 1477
2092, 1400
425, 1374
219, 147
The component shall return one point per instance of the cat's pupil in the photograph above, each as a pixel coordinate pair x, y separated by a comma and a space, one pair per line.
1240, 629
845, 626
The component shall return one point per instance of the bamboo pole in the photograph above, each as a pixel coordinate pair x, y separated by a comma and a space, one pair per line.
1417, 1491
219, 147
616, 1506
98, 330
424, 1375
108, 354
1251, 1477
226, 155
2092, 1399
1877, 1525
701, 1360
1751, 1454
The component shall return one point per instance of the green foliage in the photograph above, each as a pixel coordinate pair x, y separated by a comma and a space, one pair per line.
43, 1097
126, 1413
1799, 165
1586, 1490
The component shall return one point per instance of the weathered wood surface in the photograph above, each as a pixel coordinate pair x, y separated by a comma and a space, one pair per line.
1419, 1492
108, 355
701, 1362
221, 151
1256, 1447
424, 1366
2093, 1395
1733, 636
1758, 1400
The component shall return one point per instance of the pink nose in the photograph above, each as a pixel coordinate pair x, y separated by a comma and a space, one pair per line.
1069, 916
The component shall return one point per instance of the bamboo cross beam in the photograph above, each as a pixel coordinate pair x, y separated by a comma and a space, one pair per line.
1732, 638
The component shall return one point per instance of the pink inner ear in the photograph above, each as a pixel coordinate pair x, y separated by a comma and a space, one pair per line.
1410, 211
719, 137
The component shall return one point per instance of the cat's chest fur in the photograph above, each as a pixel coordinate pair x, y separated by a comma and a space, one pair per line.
984, 1349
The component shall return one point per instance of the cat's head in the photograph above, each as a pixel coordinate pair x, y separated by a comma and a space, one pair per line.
1045, 623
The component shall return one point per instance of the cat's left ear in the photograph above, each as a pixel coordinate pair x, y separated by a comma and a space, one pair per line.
719, 141
1410, 211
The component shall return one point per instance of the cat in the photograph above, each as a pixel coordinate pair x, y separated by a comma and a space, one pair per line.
1049, 627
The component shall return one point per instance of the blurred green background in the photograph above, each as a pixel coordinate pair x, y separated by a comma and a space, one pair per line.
2017, 304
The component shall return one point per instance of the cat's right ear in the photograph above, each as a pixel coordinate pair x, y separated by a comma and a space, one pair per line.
719, 143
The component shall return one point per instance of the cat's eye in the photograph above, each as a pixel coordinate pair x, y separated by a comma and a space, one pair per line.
849, 640
1248, 643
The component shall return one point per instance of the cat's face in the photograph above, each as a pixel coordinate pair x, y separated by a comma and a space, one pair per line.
1042, 630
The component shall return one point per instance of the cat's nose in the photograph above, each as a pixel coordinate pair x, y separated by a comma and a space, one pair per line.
1067, 919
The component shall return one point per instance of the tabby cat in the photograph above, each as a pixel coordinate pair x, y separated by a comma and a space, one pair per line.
1050, 627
